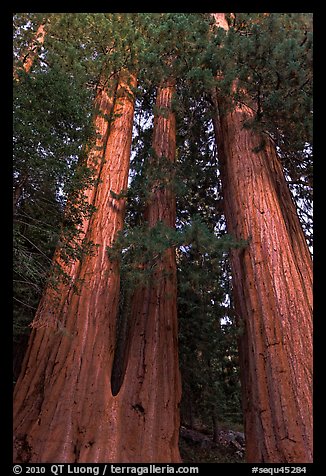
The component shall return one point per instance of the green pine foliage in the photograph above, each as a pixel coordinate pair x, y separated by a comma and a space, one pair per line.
207, 328
270, 57
51, 120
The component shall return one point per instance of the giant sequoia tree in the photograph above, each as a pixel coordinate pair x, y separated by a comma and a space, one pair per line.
61, 326
272, 280
66, 334
149, 393
220, 122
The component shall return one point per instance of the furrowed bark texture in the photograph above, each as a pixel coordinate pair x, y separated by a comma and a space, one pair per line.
272, 281
150, 393
54, 298
104, 101
62, 400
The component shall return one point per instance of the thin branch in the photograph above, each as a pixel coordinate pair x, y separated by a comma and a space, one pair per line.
29, 283
33, 244
24, 303
30, 224
309, 215
299, 182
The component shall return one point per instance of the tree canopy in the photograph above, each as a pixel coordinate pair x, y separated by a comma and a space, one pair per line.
269, 59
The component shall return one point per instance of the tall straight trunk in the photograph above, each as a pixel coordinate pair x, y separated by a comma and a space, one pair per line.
150, 393
62, 400
272, 282
54, 297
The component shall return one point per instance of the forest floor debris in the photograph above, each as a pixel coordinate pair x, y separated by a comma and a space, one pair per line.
198, 446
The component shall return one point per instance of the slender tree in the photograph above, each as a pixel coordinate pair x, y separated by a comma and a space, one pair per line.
27, 58
100, 380
26, 62
38, 40
272, 281
71, 353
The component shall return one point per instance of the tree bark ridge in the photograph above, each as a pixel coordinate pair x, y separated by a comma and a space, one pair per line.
272, 280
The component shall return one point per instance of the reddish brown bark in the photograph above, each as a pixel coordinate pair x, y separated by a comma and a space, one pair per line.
62, 400
37, 42
104, 100
150, 393
272, 281
54, 298
28, 57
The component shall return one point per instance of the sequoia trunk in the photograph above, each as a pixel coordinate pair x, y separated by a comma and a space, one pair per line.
150, 393
62, 400
272, 282
55, 297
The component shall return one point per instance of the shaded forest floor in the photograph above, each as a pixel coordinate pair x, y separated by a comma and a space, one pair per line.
199, 447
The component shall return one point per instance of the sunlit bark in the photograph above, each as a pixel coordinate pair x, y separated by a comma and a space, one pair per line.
62, 401
150, 393
272, 281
